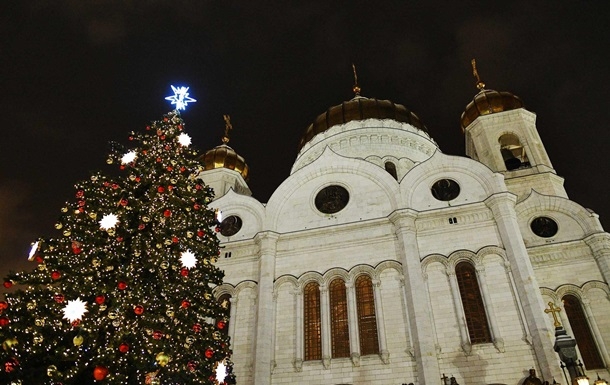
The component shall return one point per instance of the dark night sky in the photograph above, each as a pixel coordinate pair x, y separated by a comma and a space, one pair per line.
78, 74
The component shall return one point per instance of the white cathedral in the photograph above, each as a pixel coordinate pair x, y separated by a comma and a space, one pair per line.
382, 260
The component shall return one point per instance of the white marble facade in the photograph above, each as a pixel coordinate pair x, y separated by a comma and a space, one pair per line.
409, 242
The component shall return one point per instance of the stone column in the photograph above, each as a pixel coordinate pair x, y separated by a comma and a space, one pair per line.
600, 246
409, 350
352, 318
325, 325
459, 310
232, 319
263, 338
298, 360
502, 206
383, 344
420, 320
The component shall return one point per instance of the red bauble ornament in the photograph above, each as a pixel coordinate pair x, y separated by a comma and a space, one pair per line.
197, 328
184, 272
124, 202
209, 353
100, 299
198, 186
80, 194
75, 323
115, 186
106, 183
130, 137
3, 305
170, 187
122, 167
217, 229
81, 203
141, 226
137, 179
76, 249
119, 239
167, 213
59, 298
157, 334
192, 365
4, 321
100, 373
221, 324
123, 348
122, 285
161, 189
81, 210
148, 128
169, 168
39, 259
139, 310
175, 239
7, 284
11, 364
182, 169
200, 233
185, 304
158, 160
196, 206
179, 126
55, 275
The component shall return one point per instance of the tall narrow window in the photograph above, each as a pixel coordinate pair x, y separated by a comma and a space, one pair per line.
312, 335
474, 309
339, 327
391, 168
582, 333
367, 322
223, 324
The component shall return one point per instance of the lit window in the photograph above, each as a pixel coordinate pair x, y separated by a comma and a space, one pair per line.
312, 335
367, 322
474, 310
582, 333
339, 327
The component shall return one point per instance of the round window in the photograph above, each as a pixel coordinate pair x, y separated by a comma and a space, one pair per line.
445, 189
544, 227
230, 225
331, 199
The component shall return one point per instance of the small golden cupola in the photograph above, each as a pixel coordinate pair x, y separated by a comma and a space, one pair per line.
360, 108
487, 101
224, 156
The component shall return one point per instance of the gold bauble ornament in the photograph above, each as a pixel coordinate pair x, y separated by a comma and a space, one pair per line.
109, 161
95, 262
58, 226
37, 339
112, 314
64, 209
207, 295
31, 305
137, 253
78, 340
145, 219
109, 268
51, 370
103, 307
170, 313
111, 232
116, 323
39, 322
167, 242
42, 267
162, 359
189, 339
93, 215
94, 177
158, 245
76, 212
67, 233
216, 335
9, 343
189, 234
164, 265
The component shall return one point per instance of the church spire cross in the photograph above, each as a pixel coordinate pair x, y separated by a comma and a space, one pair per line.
554, 310
480, 84
356, 87
228, 127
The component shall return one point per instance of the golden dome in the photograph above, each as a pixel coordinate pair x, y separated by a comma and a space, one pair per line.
360, 108
489, 102
224, 156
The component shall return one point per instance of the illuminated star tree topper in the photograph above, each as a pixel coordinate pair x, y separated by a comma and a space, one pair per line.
180, 97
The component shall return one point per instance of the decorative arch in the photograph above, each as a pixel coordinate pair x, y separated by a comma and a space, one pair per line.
513, 151
385, 265
334, 273
359, 270
291, 279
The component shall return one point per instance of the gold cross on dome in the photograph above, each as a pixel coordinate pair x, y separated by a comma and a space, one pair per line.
480, 84
228, 127
554, 310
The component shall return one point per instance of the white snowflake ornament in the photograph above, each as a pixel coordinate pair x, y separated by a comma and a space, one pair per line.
129, 157
188, 259
75, 310
109, 221
184, 139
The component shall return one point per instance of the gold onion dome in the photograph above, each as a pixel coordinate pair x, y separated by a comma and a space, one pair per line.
224, 156
360, 108
488, 102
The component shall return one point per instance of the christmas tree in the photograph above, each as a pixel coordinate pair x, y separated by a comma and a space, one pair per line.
123, 294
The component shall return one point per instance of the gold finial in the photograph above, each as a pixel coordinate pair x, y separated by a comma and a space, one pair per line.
480, 84
228, 127
356, 87
554, 310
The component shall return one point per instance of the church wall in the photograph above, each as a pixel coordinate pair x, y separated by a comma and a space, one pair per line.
285, 330
242, 343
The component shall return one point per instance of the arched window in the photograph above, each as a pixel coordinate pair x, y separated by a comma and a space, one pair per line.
312, 335
474, 310
224, 301
391, 168
367, 322
582, 333
339, 328
513, 153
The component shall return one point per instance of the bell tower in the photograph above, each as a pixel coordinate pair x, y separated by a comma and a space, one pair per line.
502, 134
